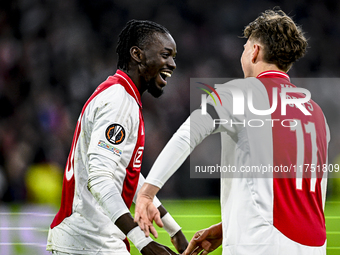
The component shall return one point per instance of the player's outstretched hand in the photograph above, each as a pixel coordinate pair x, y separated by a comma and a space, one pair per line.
146, 212
154, 248
179, 241
206, 240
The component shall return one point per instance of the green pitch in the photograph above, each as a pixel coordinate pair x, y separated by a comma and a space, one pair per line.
194, 215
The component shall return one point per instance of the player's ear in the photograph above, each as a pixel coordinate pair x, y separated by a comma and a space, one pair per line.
256, 52
136, 54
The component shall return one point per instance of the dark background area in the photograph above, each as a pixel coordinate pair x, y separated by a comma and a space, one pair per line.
54, 53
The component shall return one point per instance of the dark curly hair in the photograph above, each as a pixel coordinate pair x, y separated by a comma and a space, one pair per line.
283, 41
135, 33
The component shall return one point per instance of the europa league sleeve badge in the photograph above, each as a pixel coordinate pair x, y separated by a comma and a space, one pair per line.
115, 134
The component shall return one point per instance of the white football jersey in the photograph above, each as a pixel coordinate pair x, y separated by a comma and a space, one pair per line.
109, 135
273, 204
279, 210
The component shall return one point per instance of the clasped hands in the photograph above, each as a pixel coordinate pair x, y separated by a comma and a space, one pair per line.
203, 242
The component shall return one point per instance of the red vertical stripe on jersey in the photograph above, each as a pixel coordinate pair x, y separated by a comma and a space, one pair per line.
68, 180
298, 213
134, 167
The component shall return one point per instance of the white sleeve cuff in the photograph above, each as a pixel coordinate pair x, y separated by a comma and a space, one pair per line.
137, 236
170, 225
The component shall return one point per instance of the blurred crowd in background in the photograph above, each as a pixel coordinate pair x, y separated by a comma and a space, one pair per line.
54, 53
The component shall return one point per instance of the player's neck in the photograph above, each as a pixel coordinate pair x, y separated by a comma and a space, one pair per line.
135, 77
263, 67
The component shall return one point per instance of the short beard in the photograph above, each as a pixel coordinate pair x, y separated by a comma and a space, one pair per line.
154, 90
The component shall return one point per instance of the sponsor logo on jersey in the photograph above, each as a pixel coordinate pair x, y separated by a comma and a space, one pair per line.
115, 134
103, 144
137, 162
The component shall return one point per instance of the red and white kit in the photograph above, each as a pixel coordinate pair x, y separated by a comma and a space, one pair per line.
262, 214
106, 153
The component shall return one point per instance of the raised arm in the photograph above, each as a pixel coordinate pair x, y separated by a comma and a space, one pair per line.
187, 137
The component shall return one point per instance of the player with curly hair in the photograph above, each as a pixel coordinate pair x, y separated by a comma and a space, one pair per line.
276, 213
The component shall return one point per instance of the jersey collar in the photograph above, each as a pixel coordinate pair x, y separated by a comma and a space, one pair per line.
273, 74
128, 84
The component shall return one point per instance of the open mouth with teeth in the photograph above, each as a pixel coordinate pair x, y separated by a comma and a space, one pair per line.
164, 75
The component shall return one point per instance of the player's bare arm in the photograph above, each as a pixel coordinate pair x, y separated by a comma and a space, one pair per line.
155, 249
206, 240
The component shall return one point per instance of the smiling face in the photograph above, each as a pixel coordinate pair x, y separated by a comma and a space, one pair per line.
158, 63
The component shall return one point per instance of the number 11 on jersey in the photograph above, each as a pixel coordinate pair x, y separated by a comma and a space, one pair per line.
309, 128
